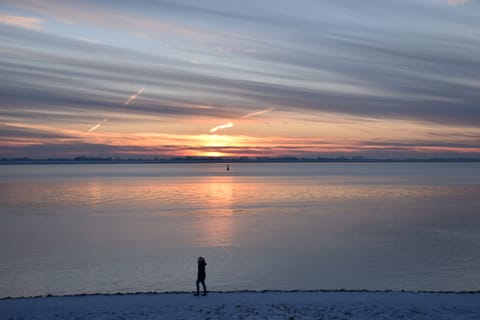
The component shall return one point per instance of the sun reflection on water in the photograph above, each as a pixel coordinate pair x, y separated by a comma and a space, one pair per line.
217, 226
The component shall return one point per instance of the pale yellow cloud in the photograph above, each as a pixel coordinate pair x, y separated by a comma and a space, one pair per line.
30, 23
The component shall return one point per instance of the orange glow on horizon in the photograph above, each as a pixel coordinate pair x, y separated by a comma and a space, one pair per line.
420, 141
214, 154
217, 140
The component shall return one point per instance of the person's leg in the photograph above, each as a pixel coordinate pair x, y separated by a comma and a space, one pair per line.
204, 287
198, 287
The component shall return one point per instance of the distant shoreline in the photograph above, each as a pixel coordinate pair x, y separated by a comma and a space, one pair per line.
225, 160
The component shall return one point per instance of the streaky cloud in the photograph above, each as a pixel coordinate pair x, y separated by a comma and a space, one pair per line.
410, 65
127, 102
441, 88
110, 17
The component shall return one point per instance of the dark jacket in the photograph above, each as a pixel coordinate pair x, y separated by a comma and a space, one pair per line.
201, 270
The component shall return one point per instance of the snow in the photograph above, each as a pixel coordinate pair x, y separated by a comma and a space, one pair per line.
248, 305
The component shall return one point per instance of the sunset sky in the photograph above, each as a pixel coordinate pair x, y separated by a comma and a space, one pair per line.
381, 78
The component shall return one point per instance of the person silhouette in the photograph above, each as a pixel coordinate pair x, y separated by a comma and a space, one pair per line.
201, 275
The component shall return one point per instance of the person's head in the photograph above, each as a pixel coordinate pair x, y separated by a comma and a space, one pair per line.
201, 259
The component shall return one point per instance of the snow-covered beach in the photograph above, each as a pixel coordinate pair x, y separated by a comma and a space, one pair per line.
249, 305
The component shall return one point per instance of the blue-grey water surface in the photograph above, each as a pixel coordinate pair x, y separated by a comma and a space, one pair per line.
68, 229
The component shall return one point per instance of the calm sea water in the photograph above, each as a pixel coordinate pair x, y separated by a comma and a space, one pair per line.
67, 229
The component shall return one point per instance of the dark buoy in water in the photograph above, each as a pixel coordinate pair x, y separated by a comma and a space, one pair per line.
228, 167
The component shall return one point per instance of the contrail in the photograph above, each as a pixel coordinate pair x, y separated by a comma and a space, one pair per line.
134, 96
95, 127
256, 113
223, 126
230, 124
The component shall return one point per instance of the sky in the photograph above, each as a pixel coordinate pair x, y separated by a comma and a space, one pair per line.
373, 78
